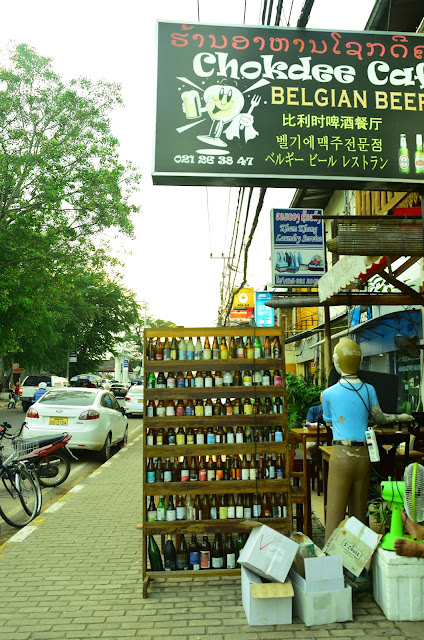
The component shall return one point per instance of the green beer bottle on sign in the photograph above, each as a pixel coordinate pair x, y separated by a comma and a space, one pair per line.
403, 155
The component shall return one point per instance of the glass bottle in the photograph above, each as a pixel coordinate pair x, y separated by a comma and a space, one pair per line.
190, 349
210, 469
180, 379
267, 347
275, 510
184, 470
266, 506
190, 511
283, 505
159, 349
182, 350
170, 408
180, 436
217, 553
205, 508
239, 506
161, 381
189, 408
403, 155
231, 509
203, 472
215, 349
180, 508
168, 471
219, 435
171, 512
279, 467
216, 408
205, 553
167, 349
219, 469
419, 154
249, 348
183, 558
207, 351
247, 378
257, 348
277, 378
223, 507
227, 468
276, 348
170, 554
240, 352
210, 436
150, 437
198, 380
230, 435
213, 507
229, 552
235, 469
247, 507
278, 433
150, 409
239, 434
190, 436
198, 350
232, 349
253, 468
237, 379
199, 409
194, 469
223, 349
154, 555
208, 408
257, 505
159, 470
161, 509
180, 408
150, 471
277, 405
237, 406
194, 554
227, 379
151, 510
245, 468
266, 378
171, 382
240, 542
198, 508
208, 379
174, 349
247, 407
189, 380
218, 379
151, 380
200, 436
151, 350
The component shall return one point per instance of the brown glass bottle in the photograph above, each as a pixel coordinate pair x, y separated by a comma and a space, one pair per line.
166, 349
215, 349
267, 347
159, 349
194, 554
180, 507
182, 559
193, 469
231, 513
223, 507
171, 435
249, 348
235, 469
276, 348
203, 471
223, 349
229, 552
240, 348
151, 350
213, 507
237, 379
180, 436
210, 469
184, 470
232, 349
217, 553
219, 469
174, 349
266, 506
205, 554
207, 351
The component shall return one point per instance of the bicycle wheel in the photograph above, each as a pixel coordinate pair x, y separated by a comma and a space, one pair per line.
37, 484
62, 461
19, 500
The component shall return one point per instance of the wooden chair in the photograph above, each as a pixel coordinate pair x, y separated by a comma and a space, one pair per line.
300, 484
316, 462
392, 462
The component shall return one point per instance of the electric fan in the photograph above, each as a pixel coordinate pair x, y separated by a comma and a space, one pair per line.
409, 495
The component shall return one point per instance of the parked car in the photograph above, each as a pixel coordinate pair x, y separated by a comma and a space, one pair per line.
92, 416
119, 389
136, 381
30, 385
134, 400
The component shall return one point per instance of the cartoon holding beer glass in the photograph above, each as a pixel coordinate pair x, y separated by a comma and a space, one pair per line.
223, 103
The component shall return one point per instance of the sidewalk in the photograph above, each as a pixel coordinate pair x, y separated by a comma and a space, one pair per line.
76, 573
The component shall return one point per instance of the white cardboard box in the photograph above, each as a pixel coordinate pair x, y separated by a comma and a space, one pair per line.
268, 553
398, 584
323, 607
321, 574
265, 602
354, 542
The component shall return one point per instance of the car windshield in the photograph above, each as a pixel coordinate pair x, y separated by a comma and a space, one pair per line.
75, 398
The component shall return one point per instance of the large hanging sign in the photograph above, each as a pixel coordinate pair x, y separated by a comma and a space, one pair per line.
297, 247
264, 106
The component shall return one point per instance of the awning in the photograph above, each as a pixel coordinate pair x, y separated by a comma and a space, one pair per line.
241, 314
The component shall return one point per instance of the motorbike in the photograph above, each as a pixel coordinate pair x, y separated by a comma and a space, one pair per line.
49, 456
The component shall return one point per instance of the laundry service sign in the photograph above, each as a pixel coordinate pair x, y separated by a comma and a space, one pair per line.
260, 105
297, 247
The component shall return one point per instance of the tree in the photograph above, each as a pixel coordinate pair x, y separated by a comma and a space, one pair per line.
136, 334
61, 186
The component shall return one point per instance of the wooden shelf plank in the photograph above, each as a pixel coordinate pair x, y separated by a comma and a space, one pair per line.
262, 419
216, 487
193, 393
175, 450
204, 527
231, 364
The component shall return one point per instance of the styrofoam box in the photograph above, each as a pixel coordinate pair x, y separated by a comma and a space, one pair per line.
265, 603
268, 553
398, 584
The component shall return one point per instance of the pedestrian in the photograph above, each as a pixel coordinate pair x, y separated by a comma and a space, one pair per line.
17, 387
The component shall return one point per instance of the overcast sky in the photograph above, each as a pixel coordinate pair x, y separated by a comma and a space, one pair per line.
179, 227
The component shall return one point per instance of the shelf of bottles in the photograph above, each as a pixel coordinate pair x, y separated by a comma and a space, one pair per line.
215, 444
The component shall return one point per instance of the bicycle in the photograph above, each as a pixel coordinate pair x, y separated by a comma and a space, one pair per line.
20, 492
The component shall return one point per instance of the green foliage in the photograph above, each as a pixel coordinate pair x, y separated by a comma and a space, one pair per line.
300, 396
62, 186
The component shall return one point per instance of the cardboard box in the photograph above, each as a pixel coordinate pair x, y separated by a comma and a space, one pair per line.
398, 584
321, 574
268, 553
265, 603
355, 543
323, 607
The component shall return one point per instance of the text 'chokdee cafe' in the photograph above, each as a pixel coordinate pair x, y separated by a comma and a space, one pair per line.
255, 105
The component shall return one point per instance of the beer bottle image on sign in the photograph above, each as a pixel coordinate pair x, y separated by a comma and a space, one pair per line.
419, 154
403, 155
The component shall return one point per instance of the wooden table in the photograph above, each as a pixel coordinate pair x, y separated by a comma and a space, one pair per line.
310, 433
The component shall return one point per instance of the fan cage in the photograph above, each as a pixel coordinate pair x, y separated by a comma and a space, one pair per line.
414, 492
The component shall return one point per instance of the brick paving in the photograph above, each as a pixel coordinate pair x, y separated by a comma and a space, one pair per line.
77, 574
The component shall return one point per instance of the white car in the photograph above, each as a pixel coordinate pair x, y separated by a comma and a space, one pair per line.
92, 416
134, 400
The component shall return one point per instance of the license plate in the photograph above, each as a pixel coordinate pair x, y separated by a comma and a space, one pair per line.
59, 421
140, 400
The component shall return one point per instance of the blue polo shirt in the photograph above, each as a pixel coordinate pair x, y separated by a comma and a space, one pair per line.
347, 407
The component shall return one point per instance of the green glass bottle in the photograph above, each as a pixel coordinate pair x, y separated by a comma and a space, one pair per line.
403, 155
154, 555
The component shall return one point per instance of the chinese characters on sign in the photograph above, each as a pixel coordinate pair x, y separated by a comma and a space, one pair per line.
267, 105
297, 247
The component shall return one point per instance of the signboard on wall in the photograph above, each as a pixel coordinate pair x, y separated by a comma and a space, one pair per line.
264, 316
297, 247
261, 105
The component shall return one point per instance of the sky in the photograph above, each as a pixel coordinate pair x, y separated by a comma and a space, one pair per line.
169, 264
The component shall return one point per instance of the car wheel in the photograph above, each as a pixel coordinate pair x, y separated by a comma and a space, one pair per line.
105, 453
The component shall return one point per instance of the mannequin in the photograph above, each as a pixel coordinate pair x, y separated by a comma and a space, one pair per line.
347, 407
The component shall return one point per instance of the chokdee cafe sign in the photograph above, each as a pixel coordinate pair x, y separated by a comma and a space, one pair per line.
273, 106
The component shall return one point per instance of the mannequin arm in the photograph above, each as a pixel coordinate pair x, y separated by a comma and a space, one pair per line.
380, 417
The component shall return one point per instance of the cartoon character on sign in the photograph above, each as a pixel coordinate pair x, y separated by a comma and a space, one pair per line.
224, 105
